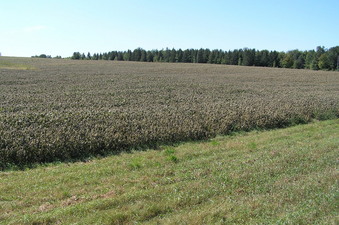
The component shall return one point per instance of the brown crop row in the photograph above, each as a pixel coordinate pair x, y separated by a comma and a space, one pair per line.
65, 110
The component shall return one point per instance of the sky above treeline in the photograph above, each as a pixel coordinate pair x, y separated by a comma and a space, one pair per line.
61, 27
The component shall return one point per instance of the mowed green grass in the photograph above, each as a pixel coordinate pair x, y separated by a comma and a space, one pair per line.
285, 176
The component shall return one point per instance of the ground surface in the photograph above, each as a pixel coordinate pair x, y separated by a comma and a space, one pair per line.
285, 176
59, 110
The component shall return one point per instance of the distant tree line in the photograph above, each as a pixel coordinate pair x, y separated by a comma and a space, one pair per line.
44, 56
321, 58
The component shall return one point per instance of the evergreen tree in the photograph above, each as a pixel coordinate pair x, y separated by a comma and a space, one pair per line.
105, 56
136, 55
248, 57
143, 56
155, 55
110, 56
240, 57
167, 55
313, 59
211, 57
262, 58
186, 56
89, 56
76, 55
205, 55
120, 56
149, 56
221, 57
200, 56
324, 62
333, 58
234, 57
227, 58
179, 55
194, 54
172, 56
273, 60
299, 62
127, 55
160, 56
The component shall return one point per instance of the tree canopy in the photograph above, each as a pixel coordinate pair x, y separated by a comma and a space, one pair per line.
321, 58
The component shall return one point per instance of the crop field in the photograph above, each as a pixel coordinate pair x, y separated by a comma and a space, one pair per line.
61, 110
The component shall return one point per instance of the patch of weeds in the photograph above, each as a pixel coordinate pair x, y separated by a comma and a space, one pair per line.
215, 143
106, 205
45, 221
9, 65
298, 120
173, 158
5, 199
252, 145
169, 152
157, 164
153, 211
326, 115
135, 164
66, 194
119, 219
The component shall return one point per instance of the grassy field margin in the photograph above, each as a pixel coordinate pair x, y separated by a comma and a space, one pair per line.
285, 176
14, 66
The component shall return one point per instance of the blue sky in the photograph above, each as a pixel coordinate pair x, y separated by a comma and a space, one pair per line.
61, 27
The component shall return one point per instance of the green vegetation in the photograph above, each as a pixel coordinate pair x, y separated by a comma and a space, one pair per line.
69, 110
4, 64
285, 176
321, 58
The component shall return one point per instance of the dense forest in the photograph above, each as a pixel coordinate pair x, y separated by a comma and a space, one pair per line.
320, 58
